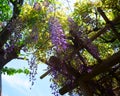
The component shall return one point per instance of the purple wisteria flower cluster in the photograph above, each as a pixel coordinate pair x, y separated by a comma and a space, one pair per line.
72, 24
33, 69
57, 35
92, 49
78, 32
16, 37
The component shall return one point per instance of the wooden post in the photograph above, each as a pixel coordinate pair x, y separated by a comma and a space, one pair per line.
45, 74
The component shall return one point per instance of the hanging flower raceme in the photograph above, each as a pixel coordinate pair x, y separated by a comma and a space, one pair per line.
77, 31
92, 49
72, 24
57, 35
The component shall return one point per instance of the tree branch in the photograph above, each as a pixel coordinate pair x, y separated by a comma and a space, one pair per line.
98, 69
5, 57
7, 30
16, 7
45, 74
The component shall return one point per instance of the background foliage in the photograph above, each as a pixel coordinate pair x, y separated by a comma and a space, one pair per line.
62, 37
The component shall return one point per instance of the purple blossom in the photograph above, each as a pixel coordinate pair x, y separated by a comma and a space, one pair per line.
92, 49
9, 48
37, 6
54, 87
72, 24
89, 70
33, 69
35, 33
83, 68
19, 35
57, 35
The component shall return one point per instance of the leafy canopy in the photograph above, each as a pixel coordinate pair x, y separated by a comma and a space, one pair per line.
66, 41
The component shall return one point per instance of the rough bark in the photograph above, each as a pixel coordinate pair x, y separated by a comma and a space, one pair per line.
6, 32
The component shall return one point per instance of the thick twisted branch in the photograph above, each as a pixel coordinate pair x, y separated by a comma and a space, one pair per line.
7, 30
6, 57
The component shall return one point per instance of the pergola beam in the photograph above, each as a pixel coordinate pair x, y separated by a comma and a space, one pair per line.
109, 22
98, 69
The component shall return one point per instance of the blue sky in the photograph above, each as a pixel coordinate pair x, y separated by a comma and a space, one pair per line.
19, 85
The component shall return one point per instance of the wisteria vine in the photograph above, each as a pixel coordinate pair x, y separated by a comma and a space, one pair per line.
57, 35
